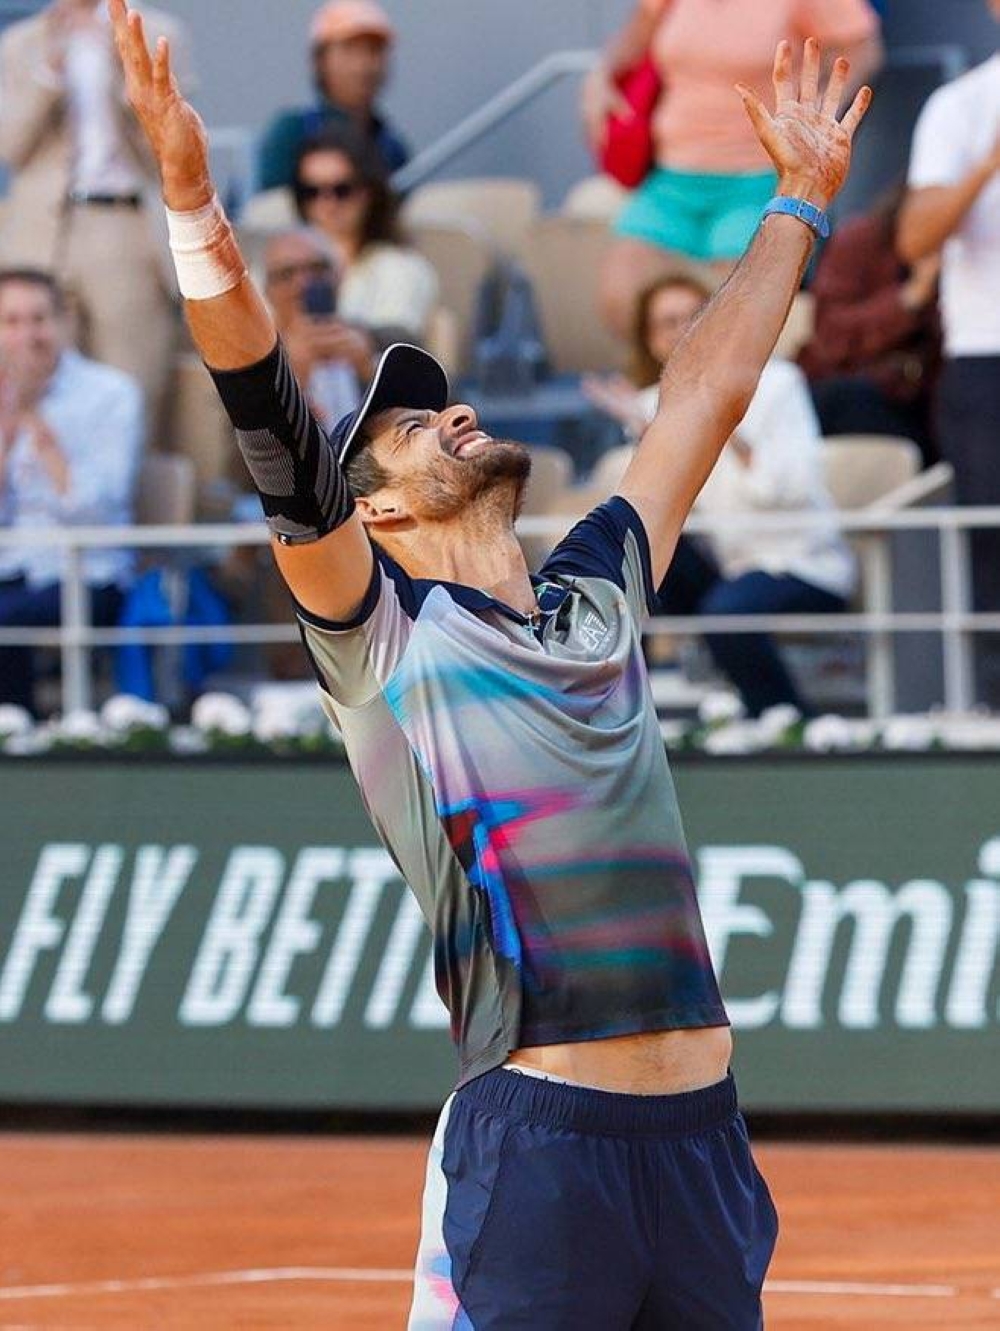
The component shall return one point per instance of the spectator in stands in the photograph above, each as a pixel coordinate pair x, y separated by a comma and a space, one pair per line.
351, 42
710, 182
331, 358
954, 206
874, 356
70, 441
341, 189
772, 464
84, 199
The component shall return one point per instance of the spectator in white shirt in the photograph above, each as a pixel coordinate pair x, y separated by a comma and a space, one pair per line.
70, 442
954, 202
771, 464
84, 199
387, 289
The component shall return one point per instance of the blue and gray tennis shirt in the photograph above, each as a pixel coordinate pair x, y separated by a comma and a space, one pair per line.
517, 776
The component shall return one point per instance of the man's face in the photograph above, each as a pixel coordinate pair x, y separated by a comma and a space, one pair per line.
670, 312
441, 463
32, 329
995, 7
291, 262
353, 72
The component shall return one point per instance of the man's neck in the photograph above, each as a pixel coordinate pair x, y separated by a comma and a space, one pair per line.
482, 553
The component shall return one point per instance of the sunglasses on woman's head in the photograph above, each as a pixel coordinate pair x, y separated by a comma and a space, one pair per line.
337, 189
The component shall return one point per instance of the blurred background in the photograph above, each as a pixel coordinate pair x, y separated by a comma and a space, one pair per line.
195, 916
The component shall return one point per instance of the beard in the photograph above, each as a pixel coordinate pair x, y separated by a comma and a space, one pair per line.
494, 477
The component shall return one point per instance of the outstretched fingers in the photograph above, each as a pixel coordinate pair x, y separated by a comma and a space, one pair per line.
809, 82
164, 84
834, 94
138, 47
784, 87
759, 115
856, 112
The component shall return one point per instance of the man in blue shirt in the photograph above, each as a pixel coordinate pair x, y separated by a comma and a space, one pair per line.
351, 43
70, 441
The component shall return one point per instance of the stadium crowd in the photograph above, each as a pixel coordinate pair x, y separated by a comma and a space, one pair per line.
896, 335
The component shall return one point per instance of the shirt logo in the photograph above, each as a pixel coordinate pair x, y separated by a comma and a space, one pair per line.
592, 631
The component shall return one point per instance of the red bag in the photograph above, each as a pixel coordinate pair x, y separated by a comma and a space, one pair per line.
627, 154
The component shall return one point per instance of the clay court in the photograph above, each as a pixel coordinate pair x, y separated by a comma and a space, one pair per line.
218, 1232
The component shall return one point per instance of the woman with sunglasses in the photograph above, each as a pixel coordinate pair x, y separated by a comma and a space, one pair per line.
386, 287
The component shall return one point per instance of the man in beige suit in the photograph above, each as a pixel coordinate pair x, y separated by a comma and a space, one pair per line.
84, 200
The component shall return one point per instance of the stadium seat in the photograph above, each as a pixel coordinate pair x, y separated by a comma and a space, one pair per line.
598, 198
799, 326
551, 477
862, 469
564, 258
501, 208
882, 474
611, 467
462, 257
441, 339
551, 474
165, 491
199, 429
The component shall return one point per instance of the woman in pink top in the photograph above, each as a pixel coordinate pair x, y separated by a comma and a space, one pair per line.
703, 199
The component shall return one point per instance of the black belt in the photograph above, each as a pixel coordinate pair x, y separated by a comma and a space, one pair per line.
82, 200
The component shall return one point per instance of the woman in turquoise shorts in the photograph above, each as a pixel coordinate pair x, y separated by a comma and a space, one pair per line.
703, 199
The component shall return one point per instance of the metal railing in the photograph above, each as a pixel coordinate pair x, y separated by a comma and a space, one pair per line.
493, 113
877, 620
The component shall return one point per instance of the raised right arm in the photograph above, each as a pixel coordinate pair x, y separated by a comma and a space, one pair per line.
319, 542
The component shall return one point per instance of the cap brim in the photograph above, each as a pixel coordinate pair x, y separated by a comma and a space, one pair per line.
405, 377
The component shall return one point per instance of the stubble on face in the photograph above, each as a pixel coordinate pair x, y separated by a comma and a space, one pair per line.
492, 480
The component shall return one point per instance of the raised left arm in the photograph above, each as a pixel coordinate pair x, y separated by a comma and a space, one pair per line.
712, 376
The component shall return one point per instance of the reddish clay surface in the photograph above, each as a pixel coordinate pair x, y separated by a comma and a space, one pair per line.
338, 1218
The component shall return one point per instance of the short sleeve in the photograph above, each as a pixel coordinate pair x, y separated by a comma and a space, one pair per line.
609, 543
842, 22
939, 155
354, 659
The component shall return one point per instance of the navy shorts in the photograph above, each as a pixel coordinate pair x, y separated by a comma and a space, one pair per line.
559, 1208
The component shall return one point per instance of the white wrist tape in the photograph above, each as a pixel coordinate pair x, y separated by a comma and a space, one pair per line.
206, 255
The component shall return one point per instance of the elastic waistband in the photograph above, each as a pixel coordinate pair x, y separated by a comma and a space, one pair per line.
579, 1109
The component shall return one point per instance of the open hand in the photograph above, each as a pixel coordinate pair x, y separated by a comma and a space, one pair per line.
809, 146
174, 129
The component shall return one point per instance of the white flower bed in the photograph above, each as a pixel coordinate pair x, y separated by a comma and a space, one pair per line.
288, 720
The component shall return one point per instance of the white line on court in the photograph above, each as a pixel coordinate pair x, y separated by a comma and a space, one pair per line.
392, 1275
860, 1289
255, 1276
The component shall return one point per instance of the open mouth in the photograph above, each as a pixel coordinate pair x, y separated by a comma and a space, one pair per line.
469, 442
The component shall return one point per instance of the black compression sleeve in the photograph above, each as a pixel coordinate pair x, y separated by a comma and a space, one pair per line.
303, 491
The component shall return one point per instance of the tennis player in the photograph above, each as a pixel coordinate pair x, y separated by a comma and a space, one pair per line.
592, 1170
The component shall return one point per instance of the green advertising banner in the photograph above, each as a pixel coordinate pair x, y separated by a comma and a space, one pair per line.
231, 934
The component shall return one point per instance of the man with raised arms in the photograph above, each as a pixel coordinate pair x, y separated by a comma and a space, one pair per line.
592, 1169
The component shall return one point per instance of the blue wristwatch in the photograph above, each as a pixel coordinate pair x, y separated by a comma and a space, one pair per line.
815, 218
